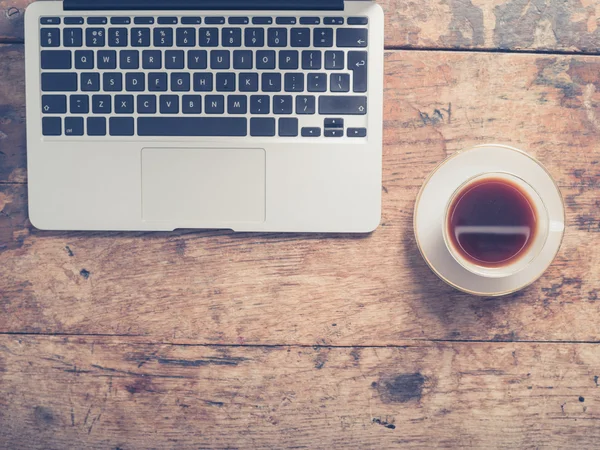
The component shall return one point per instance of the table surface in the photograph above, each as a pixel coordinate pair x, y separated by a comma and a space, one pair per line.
209, 339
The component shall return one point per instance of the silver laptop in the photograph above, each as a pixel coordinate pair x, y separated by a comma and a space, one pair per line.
250, 115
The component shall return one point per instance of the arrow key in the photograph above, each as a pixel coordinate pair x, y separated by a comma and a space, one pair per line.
352, 37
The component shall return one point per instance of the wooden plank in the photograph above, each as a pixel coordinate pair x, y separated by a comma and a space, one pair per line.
570, 26
102, 393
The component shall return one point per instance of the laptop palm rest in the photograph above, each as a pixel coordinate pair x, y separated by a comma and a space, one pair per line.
210, 186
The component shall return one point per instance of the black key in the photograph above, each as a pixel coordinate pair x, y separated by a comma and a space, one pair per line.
288, 127
191, 104
107, 59
214, 104
50, 20
95, 37
286, 21
248, 82
101, 104
143, 20
294, 82
345, 105
242, 59
352, 37
56, 59
254, 37
232, 37
219, 59
124, 104
358, 20
357, 132
192, 126
238, 21
174, 59
96, 126
167, 21
112, 81
265, 59
305, 104
288, 59
317, 82
310, 20
214, 20
237, 104
130, 59
277, 37
72, 37
260, 126
54, 104
74, 21
140, 37
225, 82
209, 37
197, 59
333, 21
203, 82
334, 123
117, 37
334, 132
191, 20
97, 20
283, 104
146, 104
260, 104
311, 132
79, 104
163, 37
300, 37
311, 60
186, 37
120, 20
50, 37
169, 104
51, 126
323, 37
180, 82
121, 126
90, 82
271, 82
152, 59
334, 60
74, 126
340, 82
262, 20
135, 82
357, 62
59, 82
84, 59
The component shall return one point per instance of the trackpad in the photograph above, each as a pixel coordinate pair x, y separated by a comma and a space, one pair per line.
203, 185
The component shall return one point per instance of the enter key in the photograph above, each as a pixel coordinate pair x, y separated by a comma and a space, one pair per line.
357, 62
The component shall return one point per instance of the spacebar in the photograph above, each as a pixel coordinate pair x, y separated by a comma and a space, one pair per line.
192, 126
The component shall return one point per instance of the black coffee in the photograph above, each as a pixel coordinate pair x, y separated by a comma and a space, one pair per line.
492, 222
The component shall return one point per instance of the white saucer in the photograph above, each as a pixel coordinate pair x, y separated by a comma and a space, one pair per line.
443, 182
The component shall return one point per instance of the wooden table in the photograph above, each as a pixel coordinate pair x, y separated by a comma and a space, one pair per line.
218, 340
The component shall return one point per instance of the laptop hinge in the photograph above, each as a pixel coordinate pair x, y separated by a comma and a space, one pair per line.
208, 5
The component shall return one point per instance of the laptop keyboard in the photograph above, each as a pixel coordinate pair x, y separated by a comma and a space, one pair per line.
204, 76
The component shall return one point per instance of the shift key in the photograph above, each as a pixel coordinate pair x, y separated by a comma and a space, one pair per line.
343, 105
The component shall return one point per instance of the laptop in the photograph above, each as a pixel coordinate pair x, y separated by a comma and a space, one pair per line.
249, 115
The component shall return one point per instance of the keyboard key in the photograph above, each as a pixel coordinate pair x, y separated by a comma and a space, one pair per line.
214, 20
59, 82
73, 37
50, 20
334, 123
96, 126
340, 82
203, 82
357, 132
117, 37
90, 82
254, 37
84, 59
97, 20
56, 59
344, 105
294, 82
120, 20
260, 126
214, 104
277, 37
242, 59
129, 59
352, 37
305, 104
192, 126
283, 104
74, 21
121, 126
191, 20
50, 37
146, 104
232, 37
323, 37
157, 82
300, 37
51, 126
271, 82
169, 104
262, 20
143, 20
107, 59
74, 126
219, 59
79, 104
112, 81
237, 104
238, 21
123, 104
186, 37
101, 104
288, 127
95, 37
135, 82
140, 37
334, 60
225, 82
311, 60
54, 104
174, 59
163, 37
317, 82
358, 20
288, 59
248, 82
167, 21
265, 59
310, 21
286, 21
191, 104
180, 82
197, 59
260, 104
357, 62
334, 132
333, 21
152, 59
311, 132
209, 37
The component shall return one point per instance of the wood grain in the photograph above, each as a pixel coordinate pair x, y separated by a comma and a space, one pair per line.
106, 393
568, 26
